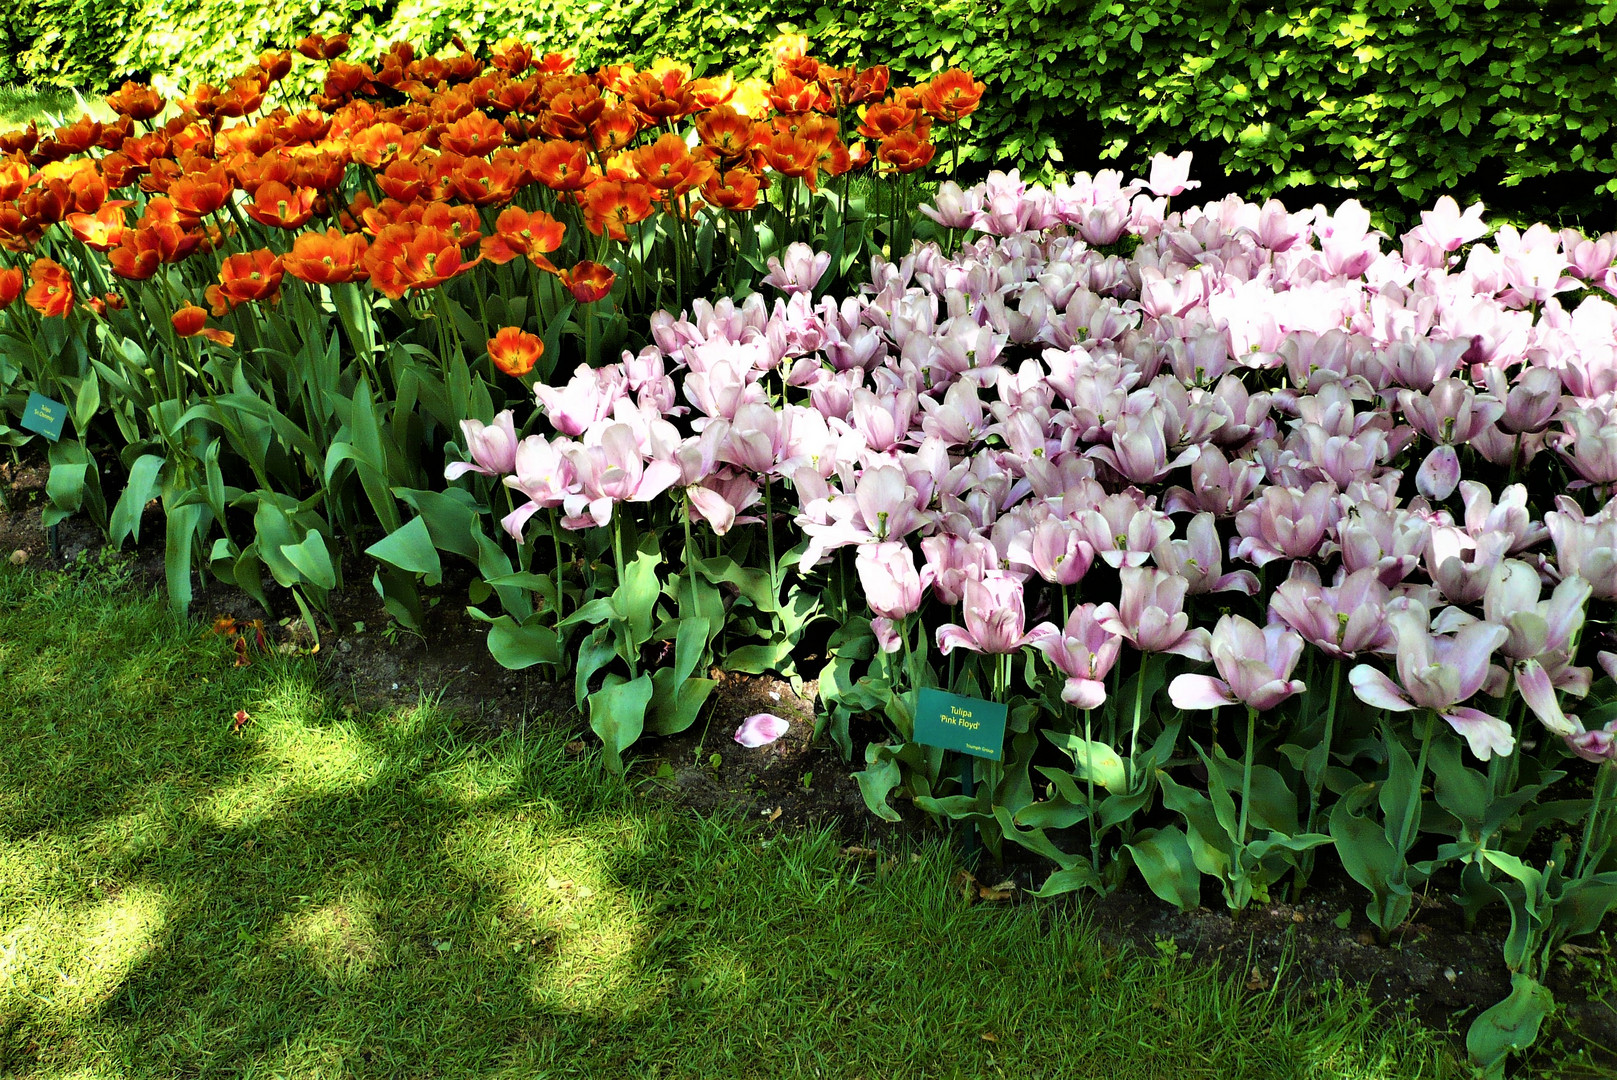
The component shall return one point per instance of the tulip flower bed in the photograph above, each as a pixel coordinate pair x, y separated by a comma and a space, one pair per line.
1088, 454
277, 312
1064, 454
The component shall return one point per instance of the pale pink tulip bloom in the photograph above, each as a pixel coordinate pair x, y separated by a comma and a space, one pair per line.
1585, 546
799, 271
891, 584
994, 617
1150, 614
1254, 664
1439, 673
1122, 531
1341, 620
588, 396
1084, 651
1199, 559
1170, 175
493, 447
1460, 564
1284, 523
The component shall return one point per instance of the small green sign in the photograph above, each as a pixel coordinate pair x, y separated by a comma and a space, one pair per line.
969, 725
45, 416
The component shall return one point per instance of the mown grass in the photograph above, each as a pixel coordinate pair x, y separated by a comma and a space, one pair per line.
332, 894
20, 104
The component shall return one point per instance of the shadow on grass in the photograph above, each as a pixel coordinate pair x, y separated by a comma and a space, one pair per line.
329, 893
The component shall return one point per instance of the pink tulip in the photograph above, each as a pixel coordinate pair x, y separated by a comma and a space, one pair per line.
1438, 673
994, 617
544, 474
1150, 614
1198, 559
1084, 651
1283, 523
1217, 484
1056, 551
1255, 664
799, 271
1585, 546
1599, 746
955, 209
1460, 564
1340, 620
493, 447
761, 729
588, 396
1122, 531
1390, 541
1169, 175
892, 586
953, 561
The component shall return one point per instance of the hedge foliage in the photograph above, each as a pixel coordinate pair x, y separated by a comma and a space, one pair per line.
62, 42
1392, 101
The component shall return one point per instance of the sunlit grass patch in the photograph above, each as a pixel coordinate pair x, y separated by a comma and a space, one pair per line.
331, 892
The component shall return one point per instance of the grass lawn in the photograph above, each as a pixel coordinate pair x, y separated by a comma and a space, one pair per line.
20, 104
331, 894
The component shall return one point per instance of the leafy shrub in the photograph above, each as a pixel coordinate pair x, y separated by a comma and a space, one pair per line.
1395, 103
63, 42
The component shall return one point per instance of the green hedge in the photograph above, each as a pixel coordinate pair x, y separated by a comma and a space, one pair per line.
1393, 101
62, 42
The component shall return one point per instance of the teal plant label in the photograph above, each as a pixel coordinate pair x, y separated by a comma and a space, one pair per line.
969, 725
44, 416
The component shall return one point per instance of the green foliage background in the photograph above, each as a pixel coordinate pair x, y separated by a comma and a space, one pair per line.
1392, 101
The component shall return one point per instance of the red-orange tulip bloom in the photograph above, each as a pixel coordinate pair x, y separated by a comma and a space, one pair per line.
51, 294
10, 286
200, 194
135, 101
460, 222
102, 230
561, 166
888, 118
615, 129
276, 205
408, 257
327, 258
951, 95
659, 99
14, 174
791, 94
512, 57
727, 133
905, 152
514, 351
402, 180
611, 206
735, 190
667, 165
320, 47
572, 111
473, 135
489, 183
520, 234
379, 144
255, 275
191, 320
588, 281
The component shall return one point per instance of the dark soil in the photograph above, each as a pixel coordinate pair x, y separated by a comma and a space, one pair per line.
1444, 972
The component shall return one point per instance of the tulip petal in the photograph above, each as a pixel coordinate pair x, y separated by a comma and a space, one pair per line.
1487, 735
1199, 692
1084, 693
1376, 690
760, 729
886, 634
1539, 693
951, 637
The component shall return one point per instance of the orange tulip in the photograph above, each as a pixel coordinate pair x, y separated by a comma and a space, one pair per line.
135, 101
615, 129
611, 206
572, 111
735, 190
191, 320
727, 133
320, 47
402, 180
791, 94
661, 98
951, 95
519, 234
200, 194
490, 182
588, 281
561, 166
890, 117
406, 257
276, 205
667, 165
473, 135
514, 351
905, 152
327, 258
102, 230
254, 275
10, 286
51, 294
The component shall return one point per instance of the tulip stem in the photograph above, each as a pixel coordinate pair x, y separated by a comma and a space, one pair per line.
1246, 782
769, 536
1089, 803
1412, 819
1139, 704
1603, 779
1316, 780
555, 538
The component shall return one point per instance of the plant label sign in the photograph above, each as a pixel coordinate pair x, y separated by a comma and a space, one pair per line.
44, 416
969, 725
